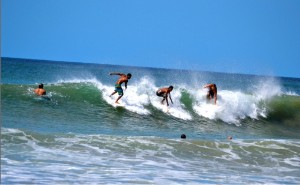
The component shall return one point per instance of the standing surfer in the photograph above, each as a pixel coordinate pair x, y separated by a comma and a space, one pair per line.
212, 92
165, 92
118, 88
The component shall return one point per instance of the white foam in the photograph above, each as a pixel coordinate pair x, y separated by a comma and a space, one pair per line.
137, 96
145, 160
92, 80
142, 93
267, 89
293, 161
133, 99
232, 106
10, 130
176, 109
290, 93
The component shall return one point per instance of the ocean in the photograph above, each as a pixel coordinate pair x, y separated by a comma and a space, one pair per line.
78, 136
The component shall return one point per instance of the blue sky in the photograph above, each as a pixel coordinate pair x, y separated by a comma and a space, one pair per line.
236, 36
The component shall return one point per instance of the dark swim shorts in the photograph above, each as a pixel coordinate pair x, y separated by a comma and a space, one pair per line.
161, 94
119, 89
211, 93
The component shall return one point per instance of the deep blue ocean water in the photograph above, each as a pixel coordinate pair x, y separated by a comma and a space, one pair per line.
78, 136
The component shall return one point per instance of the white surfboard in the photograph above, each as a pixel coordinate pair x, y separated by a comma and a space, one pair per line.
118, 105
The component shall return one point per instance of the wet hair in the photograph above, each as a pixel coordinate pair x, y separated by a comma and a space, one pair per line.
171, 87
129, 74
183, 136
215, 86
41, 86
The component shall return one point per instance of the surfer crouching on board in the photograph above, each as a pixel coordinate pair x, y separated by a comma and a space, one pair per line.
118, 88
212, 92
40, 90
165, 92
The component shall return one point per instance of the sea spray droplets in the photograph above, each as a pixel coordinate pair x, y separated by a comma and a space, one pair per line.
231, 107
142, 93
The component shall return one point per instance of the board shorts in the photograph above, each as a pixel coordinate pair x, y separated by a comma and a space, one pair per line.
119, 89
211, 93
161, 94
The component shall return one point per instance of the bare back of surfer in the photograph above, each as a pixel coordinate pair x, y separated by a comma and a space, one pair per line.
40, 90
118, 88
165, 93
212, 92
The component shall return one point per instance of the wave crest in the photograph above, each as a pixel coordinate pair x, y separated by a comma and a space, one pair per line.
189, 102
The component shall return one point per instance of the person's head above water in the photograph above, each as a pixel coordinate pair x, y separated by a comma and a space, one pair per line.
41, 86
183, 136
171, 87
129, 75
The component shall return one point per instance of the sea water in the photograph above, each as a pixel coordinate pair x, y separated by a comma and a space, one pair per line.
77, 136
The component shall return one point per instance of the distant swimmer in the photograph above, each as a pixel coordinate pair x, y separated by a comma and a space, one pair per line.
212, 92
118, 88
40, 90
165, 92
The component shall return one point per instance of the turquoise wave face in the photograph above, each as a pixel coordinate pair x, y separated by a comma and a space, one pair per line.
285, 110
78, 101
88, 102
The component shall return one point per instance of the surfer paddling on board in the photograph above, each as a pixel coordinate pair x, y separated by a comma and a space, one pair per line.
212, 92
118, 88
40, 90
165, 92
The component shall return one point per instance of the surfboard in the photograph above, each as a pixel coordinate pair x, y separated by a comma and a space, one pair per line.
163, 107
119, 105
45, 97
166, 109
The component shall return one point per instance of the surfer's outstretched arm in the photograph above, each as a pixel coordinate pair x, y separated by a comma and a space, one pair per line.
208, 85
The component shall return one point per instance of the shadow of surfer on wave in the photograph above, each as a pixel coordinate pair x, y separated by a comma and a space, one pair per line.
118, 88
